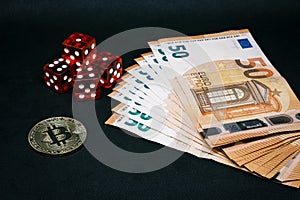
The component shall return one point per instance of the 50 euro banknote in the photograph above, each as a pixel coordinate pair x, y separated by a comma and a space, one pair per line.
229, 86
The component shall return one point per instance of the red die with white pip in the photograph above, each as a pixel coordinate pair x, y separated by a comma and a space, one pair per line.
109, 67
86, 86
77, 46
58, 75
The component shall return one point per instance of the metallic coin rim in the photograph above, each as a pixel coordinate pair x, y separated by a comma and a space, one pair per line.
38, 148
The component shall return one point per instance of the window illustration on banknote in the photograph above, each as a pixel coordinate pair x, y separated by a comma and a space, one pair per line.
236, 100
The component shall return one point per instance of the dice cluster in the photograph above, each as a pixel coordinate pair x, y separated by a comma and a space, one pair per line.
83, 67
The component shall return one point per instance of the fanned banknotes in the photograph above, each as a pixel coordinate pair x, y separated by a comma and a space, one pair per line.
215, 96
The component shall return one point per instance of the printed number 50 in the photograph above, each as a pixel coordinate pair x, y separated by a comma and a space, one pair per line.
179, 51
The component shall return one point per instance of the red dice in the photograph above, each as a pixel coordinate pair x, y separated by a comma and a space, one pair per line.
59, 75
99, 69
109, 67
77, 46
83, 67
86, 85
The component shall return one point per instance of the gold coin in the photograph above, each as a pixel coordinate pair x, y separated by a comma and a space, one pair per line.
57, 135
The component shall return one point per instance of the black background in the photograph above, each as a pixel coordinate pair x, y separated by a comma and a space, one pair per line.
31, 33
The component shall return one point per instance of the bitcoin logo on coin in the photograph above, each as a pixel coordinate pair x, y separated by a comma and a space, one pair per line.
57, 135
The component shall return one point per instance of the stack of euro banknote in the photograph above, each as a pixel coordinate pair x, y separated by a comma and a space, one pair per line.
215, 96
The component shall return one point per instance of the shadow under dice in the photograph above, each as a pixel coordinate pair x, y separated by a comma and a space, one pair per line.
58, 75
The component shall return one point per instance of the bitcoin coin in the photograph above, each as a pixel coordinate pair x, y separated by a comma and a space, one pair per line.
57, 135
